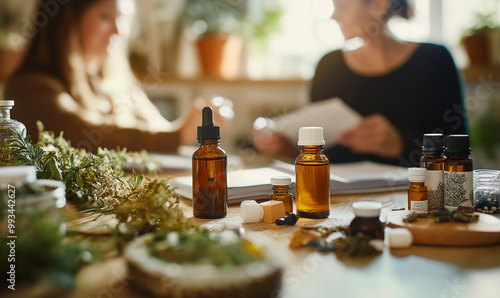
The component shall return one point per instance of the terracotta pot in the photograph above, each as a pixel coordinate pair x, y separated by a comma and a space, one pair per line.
477, 48
220, 55
9, 61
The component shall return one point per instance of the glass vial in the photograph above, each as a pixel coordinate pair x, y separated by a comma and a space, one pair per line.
312, 170
458, 186
433, 160
281, 192
7, 125
367, 220
417, 192
209, 171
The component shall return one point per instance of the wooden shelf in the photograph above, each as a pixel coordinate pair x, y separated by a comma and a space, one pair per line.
481, 73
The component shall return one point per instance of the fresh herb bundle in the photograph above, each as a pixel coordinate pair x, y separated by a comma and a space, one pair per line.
98, 182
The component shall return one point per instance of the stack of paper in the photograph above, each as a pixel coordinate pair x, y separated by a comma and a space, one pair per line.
361, 177
358, 177
241, 184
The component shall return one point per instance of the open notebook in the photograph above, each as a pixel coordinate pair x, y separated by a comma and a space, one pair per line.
358, 177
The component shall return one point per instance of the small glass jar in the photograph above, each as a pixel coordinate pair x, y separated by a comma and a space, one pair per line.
7, 125
486, 191
367, 220
24, 199
281, 192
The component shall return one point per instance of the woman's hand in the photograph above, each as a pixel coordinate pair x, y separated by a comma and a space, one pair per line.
269, 142
222, 113
375, 135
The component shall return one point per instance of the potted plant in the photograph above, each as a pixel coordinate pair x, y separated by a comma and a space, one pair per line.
477, 40
484, 137
216, 24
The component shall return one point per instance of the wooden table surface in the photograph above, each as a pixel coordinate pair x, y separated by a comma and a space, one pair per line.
418, 271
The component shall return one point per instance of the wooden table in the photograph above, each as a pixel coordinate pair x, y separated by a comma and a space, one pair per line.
418, 271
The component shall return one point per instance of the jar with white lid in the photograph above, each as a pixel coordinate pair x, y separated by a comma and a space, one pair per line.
367, 220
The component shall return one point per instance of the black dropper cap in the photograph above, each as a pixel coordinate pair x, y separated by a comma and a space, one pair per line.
433, 143
457, 145
208, 131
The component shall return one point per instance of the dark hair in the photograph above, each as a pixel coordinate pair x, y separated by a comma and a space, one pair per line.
399, 8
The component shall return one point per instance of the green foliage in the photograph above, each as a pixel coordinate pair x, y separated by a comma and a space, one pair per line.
204, 248
40, 251
98, 182
485, 133
213, 16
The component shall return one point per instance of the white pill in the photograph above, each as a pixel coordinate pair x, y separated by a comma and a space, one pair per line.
400, 238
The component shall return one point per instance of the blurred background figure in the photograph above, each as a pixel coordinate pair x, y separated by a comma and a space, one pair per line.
69, 82
402, 89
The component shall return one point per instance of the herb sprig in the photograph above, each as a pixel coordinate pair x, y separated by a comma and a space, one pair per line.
98, 183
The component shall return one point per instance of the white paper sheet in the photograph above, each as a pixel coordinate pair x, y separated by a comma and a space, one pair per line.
332, 114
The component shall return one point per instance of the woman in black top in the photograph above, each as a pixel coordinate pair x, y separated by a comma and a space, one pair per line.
402, 89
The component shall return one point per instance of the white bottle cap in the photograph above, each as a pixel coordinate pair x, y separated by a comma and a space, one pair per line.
281, 181
400, 238
6, 103
417, 174
311, 136
367, 209
251, 211
16, 175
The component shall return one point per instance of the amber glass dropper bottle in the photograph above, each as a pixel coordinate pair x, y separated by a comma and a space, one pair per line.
209, 171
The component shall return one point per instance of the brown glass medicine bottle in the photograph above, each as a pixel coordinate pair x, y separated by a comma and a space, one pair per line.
417, 192
209, 171
458, 186
433, 160
281, 192
367, 220
312, 171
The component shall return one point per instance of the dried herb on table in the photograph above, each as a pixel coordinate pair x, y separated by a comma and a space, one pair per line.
441, 215
98, 182
335, 240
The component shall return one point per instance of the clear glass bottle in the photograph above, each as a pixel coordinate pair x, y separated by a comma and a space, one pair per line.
209, 171
367, 220
281, 192
7, 125
486, 190
312, 170
417, 192
458, 185
433, 160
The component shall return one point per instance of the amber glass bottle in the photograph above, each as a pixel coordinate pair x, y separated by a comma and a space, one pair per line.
433, 160
458, 186
367, 220
209, 171
281, 192
312, 170
417, 192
